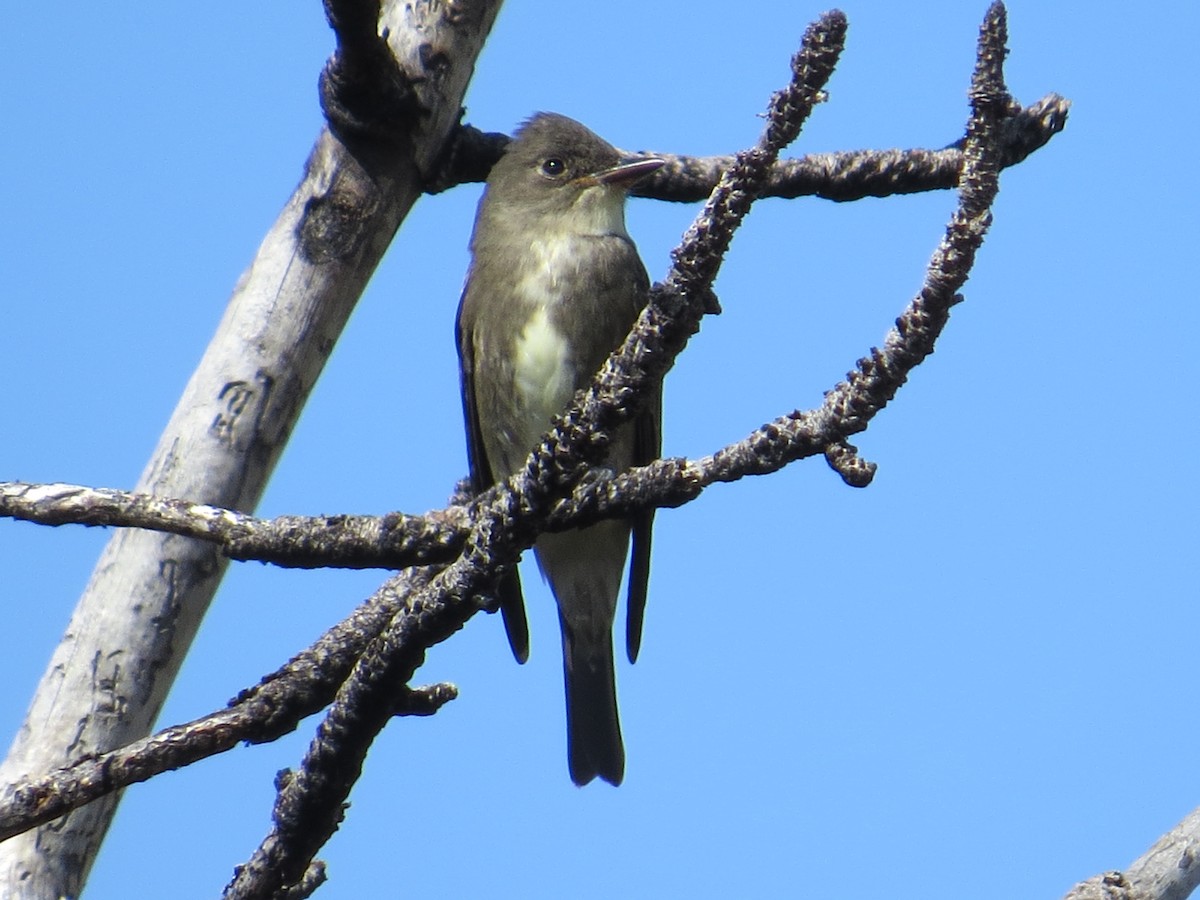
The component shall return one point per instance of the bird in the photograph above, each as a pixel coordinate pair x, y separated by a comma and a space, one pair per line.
555, 284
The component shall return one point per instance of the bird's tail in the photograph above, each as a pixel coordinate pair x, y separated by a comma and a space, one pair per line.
584, 569
594, 744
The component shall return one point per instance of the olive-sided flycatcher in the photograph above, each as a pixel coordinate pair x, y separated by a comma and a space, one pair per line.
554, 287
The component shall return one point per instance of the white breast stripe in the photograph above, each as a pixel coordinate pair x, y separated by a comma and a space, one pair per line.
543, 371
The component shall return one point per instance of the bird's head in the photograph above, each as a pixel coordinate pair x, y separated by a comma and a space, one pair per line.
560, 175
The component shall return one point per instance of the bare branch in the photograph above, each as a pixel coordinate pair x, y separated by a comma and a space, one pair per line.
271, 709
851, 404
311, 801
1167, 871
394, 540
853, 175
849, 175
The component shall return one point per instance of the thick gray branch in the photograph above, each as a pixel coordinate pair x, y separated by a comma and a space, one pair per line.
1169, 870
109, 676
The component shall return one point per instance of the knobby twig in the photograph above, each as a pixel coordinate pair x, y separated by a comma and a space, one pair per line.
849, 175
271, 709
395, 540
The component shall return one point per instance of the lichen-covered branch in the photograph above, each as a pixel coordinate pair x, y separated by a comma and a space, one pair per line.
265, 712
844, 176
395, 540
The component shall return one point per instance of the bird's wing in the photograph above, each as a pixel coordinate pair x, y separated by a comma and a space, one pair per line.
647, 446
508, 587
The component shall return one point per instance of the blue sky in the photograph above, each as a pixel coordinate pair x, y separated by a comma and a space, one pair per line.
980, 662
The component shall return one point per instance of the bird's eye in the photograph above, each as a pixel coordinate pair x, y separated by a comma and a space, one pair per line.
553, 167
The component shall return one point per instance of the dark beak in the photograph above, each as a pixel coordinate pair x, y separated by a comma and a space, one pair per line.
625, 174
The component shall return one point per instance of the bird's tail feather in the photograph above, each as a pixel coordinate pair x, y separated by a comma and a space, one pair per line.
594, 746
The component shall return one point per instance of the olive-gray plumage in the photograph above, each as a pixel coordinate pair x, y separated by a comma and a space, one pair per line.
554, 286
